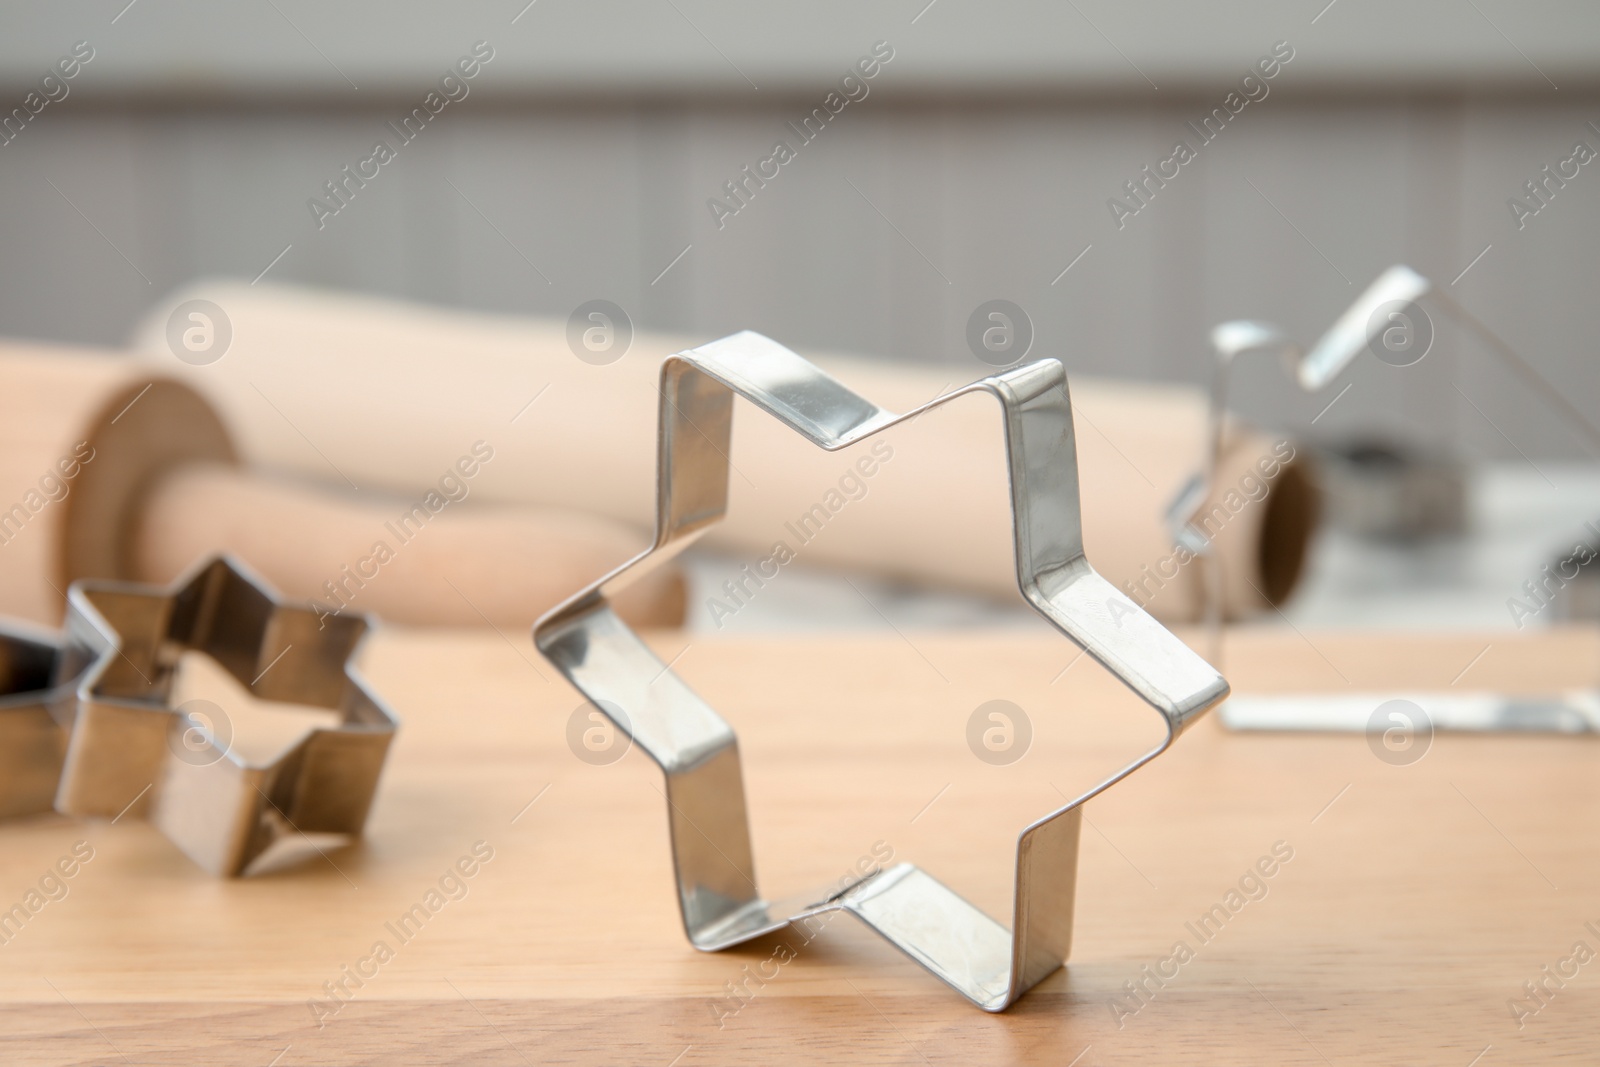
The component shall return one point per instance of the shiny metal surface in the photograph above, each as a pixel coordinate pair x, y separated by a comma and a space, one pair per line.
1576, 712
131, 753
32, 743
1355, 331
698, 751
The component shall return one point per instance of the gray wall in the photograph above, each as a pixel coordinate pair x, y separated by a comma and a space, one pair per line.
915, 204
310, 50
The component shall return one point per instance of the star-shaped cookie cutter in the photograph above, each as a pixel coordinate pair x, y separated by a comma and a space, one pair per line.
32, 742
697, 749
130, 752
1387, 305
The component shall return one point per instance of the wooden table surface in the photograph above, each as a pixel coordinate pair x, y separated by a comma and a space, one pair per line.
1418, 900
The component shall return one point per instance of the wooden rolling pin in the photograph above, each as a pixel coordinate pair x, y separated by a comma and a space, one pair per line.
108, 471
936, 513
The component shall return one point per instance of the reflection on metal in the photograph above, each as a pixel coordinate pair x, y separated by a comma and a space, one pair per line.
698, 751
131, 753
1381, 308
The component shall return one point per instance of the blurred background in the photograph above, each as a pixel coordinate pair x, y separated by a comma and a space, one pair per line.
985, 160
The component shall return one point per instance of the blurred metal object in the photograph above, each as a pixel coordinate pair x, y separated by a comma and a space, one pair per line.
1381, 316
32, 744
1373, 315
1377, 317
698, 751
1361, 324
1577, 712
1388, 491
1578, 597
1229, 341
130, 752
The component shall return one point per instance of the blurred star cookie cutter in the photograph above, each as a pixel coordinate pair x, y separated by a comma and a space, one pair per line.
698, 751
32, 742
1386, 307
130, 753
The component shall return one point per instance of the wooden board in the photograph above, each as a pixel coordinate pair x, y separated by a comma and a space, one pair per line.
1417, 902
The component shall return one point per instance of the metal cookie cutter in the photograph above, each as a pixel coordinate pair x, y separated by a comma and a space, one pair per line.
1379, 316
31, 742
697, 749
130, 751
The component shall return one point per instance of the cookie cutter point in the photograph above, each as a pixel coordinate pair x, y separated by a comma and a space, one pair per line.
697, 750
32, 703
131, 753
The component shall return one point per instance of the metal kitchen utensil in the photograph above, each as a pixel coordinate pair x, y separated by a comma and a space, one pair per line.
698, 751
1377, 317
1574, 712
32, 743
131, 752
1384, 490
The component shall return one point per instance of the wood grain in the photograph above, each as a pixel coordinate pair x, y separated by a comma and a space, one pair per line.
1417, 902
